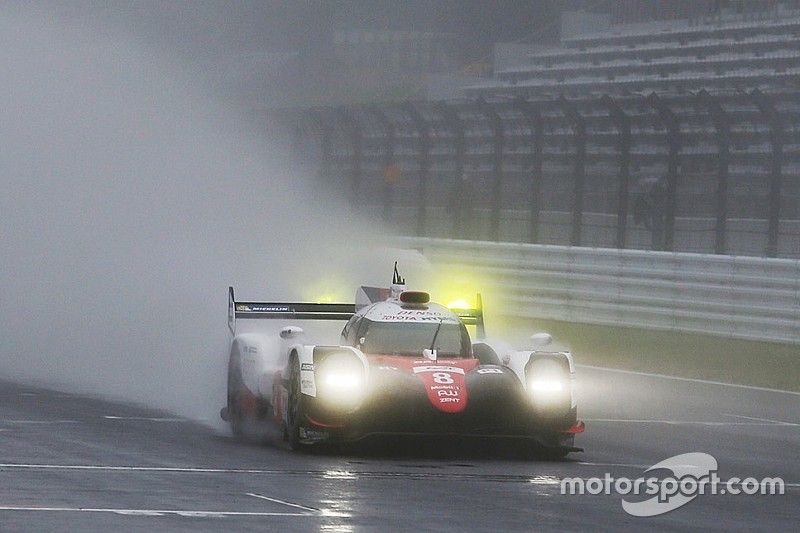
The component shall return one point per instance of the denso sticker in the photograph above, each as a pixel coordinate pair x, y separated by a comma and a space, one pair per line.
307, 366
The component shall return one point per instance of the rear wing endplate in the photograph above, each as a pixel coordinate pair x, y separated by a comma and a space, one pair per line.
285, 310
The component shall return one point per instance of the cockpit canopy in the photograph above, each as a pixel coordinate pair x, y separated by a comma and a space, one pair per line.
389, 328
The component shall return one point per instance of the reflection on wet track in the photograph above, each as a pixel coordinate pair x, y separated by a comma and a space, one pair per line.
70, 462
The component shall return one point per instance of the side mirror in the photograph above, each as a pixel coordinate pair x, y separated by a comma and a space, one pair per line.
290, 332
540, 340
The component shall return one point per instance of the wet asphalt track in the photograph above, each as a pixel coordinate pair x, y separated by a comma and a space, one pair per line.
71, 463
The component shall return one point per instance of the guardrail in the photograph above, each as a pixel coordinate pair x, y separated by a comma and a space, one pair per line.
733, 296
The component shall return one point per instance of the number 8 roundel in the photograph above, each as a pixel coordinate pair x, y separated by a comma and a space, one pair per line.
446, 386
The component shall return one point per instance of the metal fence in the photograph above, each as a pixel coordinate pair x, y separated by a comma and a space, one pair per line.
692, 172
738, 297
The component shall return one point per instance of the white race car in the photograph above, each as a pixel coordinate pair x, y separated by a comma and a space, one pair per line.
403, 366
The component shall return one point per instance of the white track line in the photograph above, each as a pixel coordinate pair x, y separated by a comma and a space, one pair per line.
686, 422
141, 468
152, 512
693, 380
146, 418
777, 422
38, 421
290, 504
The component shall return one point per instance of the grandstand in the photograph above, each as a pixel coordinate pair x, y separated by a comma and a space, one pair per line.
718, 52
565, 150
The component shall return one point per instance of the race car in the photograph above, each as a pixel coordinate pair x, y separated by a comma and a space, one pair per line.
404, 366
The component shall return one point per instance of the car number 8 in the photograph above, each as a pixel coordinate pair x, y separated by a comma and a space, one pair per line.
442, 378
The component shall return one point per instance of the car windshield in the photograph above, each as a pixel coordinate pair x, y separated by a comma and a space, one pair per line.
403, 338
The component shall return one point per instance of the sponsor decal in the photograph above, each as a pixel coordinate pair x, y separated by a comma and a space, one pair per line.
412, 318
489, 371
268, 308
307, 366
446, 386
444, 381
418, 369
313, 434
263, 308
417, 315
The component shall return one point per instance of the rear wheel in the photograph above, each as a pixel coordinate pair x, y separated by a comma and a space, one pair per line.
235, 384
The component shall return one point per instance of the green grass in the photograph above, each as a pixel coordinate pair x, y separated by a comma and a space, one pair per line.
680, 354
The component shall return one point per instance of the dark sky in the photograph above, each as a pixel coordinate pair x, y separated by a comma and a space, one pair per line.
215, 26
236, 44
285, 25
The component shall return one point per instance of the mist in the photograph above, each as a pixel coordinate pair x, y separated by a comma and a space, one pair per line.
130, 200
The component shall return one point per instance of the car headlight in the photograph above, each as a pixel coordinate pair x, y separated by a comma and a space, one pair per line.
548, 383
340, 380
544, 386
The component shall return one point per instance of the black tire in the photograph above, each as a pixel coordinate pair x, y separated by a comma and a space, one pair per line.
236, 417
295, 411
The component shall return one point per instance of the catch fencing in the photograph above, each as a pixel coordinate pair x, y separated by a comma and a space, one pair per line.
732, 296
690, 172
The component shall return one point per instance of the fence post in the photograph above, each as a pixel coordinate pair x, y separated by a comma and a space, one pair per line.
721, 121
622, 122
353, 127
534, 121
490, 113
670, 122
423, 130
776, 133
579, 123
456, 126
388, 159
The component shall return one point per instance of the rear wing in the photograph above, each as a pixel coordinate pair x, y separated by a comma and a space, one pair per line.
285, 310
473, 317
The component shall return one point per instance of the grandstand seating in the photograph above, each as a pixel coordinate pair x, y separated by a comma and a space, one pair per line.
675, 60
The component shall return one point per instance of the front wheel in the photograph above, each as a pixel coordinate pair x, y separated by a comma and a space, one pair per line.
295, 412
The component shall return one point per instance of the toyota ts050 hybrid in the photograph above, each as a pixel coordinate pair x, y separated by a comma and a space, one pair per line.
403, 366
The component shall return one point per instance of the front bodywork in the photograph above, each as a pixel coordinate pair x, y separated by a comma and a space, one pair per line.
407, 396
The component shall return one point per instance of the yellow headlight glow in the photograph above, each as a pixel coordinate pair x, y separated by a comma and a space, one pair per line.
457, 289
459, 304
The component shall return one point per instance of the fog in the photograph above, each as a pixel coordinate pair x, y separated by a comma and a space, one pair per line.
130, 201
